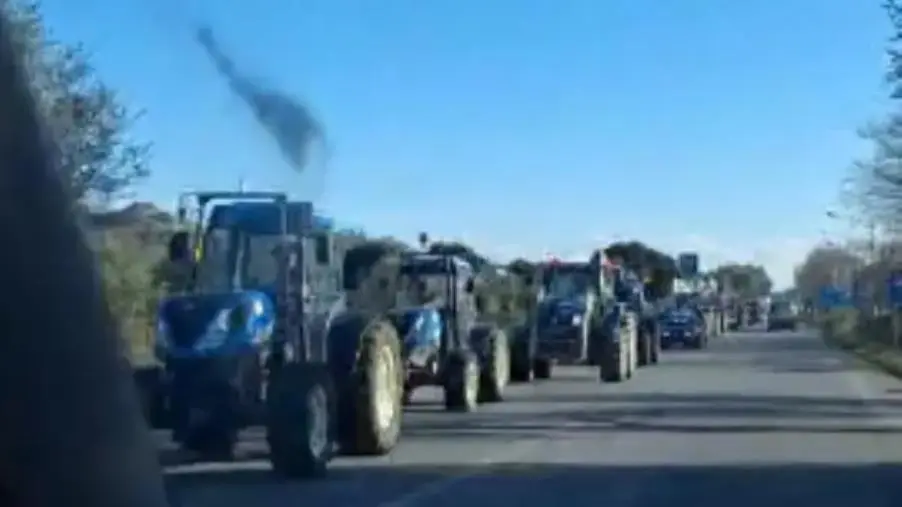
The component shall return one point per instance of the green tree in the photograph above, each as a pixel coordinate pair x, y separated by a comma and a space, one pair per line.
877, 179
826, 266
658, 269
98, 159
744, 280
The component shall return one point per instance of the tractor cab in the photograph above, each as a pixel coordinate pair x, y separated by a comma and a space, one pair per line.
236, 337
434, 306
567, 290
241, 258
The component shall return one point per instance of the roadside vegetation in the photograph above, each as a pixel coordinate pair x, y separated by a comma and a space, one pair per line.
871, 196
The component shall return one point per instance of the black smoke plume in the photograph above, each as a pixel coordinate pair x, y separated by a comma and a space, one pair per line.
290, 123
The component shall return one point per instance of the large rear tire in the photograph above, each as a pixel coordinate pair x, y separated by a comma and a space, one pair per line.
495, 374
372, 398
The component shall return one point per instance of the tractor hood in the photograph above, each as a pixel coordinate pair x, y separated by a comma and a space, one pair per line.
419, 327
560, 310
206, 324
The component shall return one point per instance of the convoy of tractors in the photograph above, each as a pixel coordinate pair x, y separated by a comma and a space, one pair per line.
270, 323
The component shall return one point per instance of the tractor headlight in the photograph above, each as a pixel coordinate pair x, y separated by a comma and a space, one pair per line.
577, 320
222, 321
256, 308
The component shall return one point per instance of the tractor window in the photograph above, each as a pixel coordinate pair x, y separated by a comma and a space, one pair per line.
261, 261
214, 272
417, 289
568, 284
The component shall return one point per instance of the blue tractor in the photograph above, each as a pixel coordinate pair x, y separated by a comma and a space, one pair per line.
434, 310
568, 297
581, 317
259, 333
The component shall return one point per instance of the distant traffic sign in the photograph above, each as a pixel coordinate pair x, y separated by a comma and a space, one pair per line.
834, 297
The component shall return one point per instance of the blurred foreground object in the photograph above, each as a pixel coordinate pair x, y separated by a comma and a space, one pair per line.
72, 432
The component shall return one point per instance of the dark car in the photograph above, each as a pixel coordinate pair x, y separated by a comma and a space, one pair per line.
781, 316
684, 326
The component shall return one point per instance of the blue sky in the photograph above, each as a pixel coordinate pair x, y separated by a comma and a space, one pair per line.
521, 126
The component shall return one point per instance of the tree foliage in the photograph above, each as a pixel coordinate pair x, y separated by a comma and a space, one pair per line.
826, 266
657, 268
877, 179
98, 158
743, 280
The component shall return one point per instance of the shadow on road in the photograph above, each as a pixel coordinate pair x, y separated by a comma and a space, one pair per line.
546, 484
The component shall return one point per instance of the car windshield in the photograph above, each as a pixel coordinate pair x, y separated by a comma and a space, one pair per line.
780, 308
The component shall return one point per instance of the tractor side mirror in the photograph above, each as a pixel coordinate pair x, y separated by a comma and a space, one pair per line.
179, 248
323, 249
470, 287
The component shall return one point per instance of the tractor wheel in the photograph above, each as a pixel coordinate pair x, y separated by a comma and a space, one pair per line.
495, 373
521, 359
152, 391
371, 407
645, 347
300, 426
614, 361
543, 368
461, 384
633, 362
655, 340
213, 442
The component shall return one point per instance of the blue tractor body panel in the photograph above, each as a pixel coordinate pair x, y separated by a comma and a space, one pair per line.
420, 329
204, 325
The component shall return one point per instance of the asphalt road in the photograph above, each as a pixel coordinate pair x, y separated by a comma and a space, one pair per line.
755, 420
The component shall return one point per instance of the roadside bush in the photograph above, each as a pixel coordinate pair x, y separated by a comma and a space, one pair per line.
868, 336
127, 267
